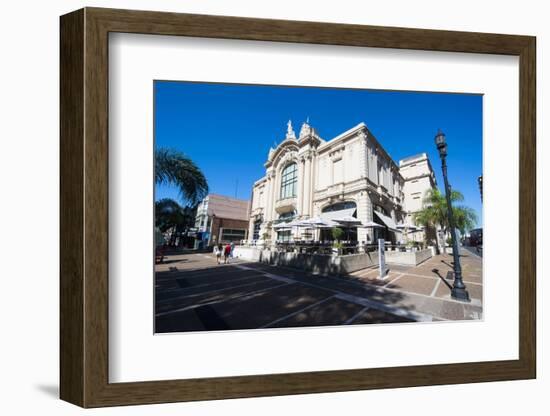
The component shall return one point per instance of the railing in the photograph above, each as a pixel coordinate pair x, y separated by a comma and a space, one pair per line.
327, 246
324, 247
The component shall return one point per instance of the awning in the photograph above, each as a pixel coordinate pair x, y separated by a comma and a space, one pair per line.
334, 215
388, 222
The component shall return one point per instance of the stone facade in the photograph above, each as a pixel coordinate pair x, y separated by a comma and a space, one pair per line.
419, 177
307, 175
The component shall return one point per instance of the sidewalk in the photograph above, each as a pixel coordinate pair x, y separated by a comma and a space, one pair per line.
427, 288
194, 293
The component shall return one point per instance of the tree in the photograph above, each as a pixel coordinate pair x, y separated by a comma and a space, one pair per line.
435, 214
465, 218
337, 233
175, 168
169, 215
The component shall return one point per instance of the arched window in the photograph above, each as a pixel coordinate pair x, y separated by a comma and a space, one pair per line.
289, 180
287, 216
339, 206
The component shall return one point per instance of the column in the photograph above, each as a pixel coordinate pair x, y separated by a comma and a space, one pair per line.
267, 206
307, 190
300, 197
363, 163
312, 183
275, 193
250, 235
364, 214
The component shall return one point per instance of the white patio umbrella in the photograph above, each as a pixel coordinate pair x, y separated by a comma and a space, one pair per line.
347, 222
286, 225
304, 224
314, 222
370, 224
317, 223
327, 224
293, 223
282, 226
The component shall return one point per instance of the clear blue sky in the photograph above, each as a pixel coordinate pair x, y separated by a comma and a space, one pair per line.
227, 129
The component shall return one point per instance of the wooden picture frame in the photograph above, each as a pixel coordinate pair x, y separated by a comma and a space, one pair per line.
84, 207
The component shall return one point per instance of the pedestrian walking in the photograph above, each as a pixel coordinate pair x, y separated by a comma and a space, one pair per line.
232, 248
226, 252
218, 251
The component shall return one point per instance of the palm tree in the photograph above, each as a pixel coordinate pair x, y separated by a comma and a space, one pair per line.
171, 215
175, 168
465, 218
434, 213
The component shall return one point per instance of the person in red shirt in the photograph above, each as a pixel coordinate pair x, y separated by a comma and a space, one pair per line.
226, 253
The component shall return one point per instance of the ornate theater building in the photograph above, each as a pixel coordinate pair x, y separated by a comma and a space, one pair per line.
348, 175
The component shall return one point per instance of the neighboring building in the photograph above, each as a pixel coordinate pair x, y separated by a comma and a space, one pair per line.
221, 219
306, 176
419, 177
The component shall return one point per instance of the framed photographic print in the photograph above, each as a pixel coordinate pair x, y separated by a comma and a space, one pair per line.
255, 207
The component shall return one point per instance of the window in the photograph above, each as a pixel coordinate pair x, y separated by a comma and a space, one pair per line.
339, 206
232, 235
287, 216
285, 235
257, 226
289, 180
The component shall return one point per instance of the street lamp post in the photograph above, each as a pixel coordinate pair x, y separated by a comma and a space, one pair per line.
480, 183
458, 291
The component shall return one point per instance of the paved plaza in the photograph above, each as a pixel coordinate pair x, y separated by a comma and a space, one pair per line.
194, 293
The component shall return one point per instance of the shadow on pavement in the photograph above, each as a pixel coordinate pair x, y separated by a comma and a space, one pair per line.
230, 298
436, 271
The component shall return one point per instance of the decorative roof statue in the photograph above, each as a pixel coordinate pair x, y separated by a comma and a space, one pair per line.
271, 151
306, 129
290, 131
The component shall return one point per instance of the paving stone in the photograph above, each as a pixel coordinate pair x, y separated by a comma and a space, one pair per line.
444, 291
452, 310
422, 285
217, 285
330, 312
375, 316
184, 321
224, 295
221, 297
260, 309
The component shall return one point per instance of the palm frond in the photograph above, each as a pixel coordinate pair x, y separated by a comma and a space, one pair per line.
465, 218
434, 211
175, 168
